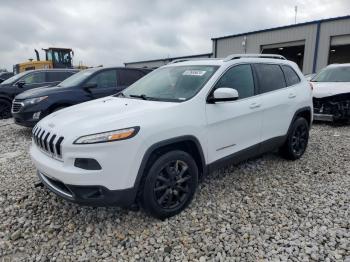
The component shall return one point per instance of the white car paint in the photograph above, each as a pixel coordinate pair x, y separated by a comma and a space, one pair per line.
221, 129
324, 89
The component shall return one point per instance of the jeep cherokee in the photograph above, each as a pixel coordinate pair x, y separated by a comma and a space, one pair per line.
151, 143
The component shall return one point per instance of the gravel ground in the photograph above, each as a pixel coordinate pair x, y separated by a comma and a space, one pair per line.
267, 209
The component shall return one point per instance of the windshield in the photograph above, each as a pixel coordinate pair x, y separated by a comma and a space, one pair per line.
77, 78
175, 83
333, 74
14, 78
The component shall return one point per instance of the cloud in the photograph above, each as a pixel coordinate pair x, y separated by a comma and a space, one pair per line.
112, 32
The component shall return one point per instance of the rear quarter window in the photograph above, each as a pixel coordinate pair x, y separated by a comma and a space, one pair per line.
270, 77
128, 77
58, 76
292, 77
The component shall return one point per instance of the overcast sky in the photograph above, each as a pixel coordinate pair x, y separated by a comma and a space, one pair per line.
112, 32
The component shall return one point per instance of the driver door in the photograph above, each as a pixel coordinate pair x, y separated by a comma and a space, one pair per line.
33, 80
236, 125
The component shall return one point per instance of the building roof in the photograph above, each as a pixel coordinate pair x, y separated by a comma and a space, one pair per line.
170, 58
285, 27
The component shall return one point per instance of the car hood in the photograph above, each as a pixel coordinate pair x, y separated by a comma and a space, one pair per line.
5, 85
40, 91
103, 114
325, 89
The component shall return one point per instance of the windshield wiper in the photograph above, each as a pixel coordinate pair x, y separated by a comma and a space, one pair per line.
143, 96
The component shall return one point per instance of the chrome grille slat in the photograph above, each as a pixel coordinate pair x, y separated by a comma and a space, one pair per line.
17, 105
48, 141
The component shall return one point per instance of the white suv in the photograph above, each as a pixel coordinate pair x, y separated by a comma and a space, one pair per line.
151, 143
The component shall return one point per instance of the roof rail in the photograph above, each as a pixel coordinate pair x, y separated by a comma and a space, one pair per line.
238, 56
193, 59
179, 60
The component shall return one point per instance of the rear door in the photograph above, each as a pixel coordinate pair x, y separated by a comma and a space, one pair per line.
56, 77
236, 125
127, 77
106, 83
276, 100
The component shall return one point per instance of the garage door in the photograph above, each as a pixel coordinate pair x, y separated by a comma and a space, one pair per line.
339, 51
293, 51
340, 40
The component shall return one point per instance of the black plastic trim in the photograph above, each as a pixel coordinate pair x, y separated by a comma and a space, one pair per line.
165, 143
87, 164
95, 195
250, 152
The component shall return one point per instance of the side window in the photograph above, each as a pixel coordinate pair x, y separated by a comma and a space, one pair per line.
291, 77
240, 78
58, 76
34, 78
128, 77
270, 77
104, 79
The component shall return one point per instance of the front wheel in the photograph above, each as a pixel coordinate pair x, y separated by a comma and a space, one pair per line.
170, 184
297, 140
5, 109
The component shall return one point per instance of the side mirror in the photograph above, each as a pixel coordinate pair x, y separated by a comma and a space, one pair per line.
88, 87
224, 94
20, 84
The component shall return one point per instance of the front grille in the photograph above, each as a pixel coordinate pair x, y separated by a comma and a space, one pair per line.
17, 105
48, 142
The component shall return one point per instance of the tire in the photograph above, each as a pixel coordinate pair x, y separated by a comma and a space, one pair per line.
169, 185
5, 109
297, 139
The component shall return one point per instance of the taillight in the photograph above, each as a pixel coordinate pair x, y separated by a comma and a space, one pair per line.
311, 86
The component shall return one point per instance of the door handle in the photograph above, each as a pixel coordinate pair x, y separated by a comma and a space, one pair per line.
254, 105
291, 95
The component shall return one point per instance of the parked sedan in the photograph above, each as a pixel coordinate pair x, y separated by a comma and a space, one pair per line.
28, 80
332, 93
31, 106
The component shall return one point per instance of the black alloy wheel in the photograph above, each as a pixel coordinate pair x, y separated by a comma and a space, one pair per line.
297, 139
170, 184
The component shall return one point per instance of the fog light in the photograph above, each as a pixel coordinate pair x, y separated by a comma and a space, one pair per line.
36, 115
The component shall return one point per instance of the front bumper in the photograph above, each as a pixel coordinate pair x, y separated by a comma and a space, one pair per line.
25, 119
89, 195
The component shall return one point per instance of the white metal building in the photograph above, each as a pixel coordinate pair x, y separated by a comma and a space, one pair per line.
163, 61
312, 45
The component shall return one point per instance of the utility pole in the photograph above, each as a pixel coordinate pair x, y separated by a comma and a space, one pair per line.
296, 12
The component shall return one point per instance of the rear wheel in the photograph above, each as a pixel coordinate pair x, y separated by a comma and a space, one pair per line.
170, 184
297, 140
5, 109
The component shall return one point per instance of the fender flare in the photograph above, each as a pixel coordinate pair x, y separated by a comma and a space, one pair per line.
163, 143
300, 110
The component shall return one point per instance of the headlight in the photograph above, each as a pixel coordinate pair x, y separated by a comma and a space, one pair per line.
33, 101
109, 136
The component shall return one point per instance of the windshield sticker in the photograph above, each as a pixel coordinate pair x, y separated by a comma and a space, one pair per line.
194, 73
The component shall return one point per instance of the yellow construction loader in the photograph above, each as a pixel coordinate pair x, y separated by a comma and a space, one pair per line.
54, 58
